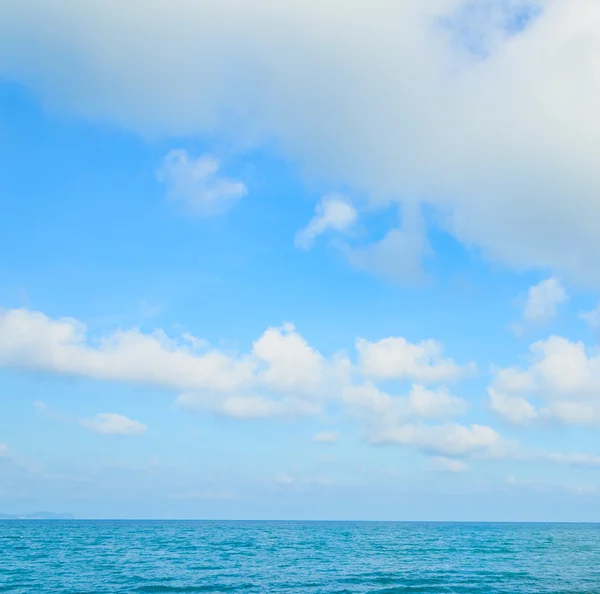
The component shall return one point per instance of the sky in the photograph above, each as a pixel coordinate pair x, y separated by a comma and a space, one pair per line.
303, 260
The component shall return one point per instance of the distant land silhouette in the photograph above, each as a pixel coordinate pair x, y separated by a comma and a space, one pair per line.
37, 516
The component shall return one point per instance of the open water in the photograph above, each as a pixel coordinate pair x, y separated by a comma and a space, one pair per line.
89, 557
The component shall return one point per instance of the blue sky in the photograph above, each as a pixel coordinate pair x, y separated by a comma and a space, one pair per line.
258, 268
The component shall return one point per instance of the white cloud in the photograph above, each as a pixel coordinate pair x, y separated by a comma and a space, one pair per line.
515, 409
31, 340
447, 440
326, 437
291, 363
543, 301
396, 358
562, 382
4, 451
399, 255
592, 318
282, 375
196, 183
333, 212
397, 104
368, 402
448, 464
113, 424
434, 404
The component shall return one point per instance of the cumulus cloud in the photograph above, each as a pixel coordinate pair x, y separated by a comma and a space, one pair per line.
197, 184
31, 340
515, 409
334, 212
447, 440
562, 382
488, 116
434, 404
282, 375
396, 358
113, 424
368, 402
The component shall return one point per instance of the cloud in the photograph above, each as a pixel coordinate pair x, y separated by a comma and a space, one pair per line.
515, 409
488, 116
447, 440
542, 302
333, 212
448, 464
562, 383
592, 318
31, 340
113, 424
382, 410
576, 459
326, 437
434, 404
4, 451
396, 358
281, 375
196, 184
399, 255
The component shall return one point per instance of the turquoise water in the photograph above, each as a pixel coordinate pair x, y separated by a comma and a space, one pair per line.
86, 557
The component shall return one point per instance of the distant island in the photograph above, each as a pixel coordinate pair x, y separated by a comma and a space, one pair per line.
37, 516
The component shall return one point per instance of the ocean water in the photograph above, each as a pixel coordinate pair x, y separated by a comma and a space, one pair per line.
89, 557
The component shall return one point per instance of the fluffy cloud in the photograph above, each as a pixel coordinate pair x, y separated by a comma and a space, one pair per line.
447, 440
282, 375
196, 183
438, 404
31, 340
396, 358
543, 301
488, 115
515, 409
113, 424
562, 378
367, 401
333, 212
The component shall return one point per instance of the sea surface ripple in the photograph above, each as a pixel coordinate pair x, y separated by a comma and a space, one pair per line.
94, 557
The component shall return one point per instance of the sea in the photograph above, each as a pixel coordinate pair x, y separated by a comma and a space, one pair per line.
93, 557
